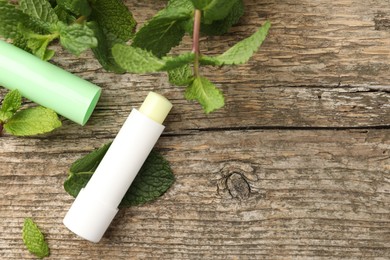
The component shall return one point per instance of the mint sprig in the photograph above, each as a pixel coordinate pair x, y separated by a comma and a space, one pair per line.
34, 239
149, 50
152, 181
34, 25
26, 122
39, 25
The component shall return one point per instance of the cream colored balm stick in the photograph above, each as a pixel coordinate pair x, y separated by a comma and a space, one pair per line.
97, 204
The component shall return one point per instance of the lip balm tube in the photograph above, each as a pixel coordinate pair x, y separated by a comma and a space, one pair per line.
97, 204
46, 84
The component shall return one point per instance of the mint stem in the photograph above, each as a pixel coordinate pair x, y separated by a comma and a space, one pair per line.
195, 39
81, 19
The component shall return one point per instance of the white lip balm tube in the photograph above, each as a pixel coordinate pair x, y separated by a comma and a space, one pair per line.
97, 204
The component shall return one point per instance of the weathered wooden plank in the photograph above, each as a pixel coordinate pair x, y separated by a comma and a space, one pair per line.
237, 195
266, 108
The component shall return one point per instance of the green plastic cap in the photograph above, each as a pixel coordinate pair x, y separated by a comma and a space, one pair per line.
46, 84
156, 107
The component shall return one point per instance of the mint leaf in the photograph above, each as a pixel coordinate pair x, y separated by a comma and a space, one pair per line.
34, 239
35, 43
177, 61
76, 38
112, 24
181, 76
201, 4
21, 42
103, 51
241, 51
40, 10
220, 27
182, 5
4, 116
12, 102
79, 7
76, 181
32, 121
63, 15
154, 178
38, 46
161, 33
10, 17
89, 162
114, 18
136, 60
81, 170
217, 10
202, 90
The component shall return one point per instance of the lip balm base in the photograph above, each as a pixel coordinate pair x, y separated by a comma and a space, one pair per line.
96, 217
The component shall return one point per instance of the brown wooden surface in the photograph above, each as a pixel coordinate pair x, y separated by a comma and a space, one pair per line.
296, 166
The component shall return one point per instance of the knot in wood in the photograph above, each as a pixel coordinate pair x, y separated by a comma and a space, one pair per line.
238, 186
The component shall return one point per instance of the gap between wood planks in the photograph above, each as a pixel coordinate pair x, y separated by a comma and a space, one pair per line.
288, 128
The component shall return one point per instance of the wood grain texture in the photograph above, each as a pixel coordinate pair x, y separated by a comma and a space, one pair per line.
243, 194
296, 166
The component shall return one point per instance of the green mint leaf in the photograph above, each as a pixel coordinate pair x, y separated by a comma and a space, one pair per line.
38, 47
4, 116
76, 181
161, 33
21, 42
10, 17
82, 169
103, 51
201, 4
154, 178
32, 121
221, 27
177, 61
12, 102
89, 162
114, 18
210, 60
241, 51
202, 90
182, 5
136, 60
36, 43
217, 10
39, 10
79, 7
63, 15
34, 239
76, 38
112, 23
181, 76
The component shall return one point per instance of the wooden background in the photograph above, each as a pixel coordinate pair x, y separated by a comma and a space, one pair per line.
296, 166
